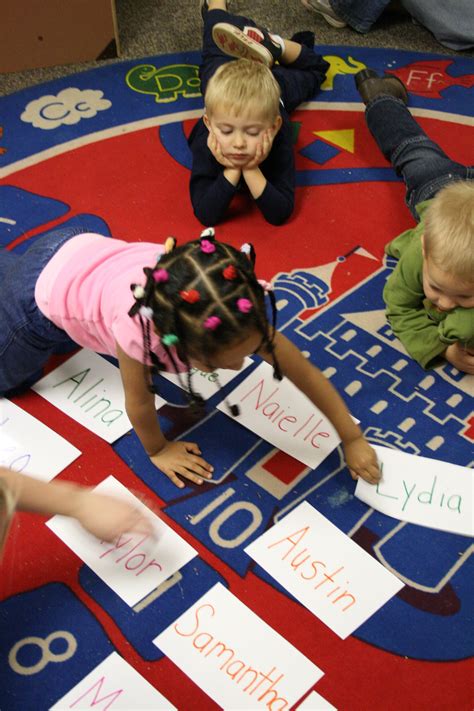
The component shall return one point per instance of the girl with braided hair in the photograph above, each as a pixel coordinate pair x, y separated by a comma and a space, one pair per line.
198, 306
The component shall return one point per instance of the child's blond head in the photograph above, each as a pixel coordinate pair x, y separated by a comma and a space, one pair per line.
449, 230
244, 87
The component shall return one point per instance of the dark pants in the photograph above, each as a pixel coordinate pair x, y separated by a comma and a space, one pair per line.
27, 337
424, 167
298, 81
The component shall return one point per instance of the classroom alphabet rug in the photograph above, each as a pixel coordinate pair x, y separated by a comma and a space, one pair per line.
106, 150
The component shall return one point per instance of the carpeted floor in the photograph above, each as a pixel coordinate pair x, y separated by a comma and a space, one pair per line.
124, 170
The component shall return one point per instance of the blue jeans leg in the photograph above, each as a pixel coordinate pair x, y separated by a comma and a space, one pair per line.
359, 14
424, 166
27, 337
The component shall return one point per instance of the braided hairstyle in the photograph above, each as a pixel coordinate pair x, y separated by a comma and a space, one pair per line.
201, 297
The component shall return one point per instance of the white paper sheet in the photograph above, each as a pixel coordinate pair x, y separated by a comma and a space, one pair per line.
135, 564
315, 702
89, 389
282, 415
324, 569
205, 383
29, 446
234, 656
423, 491
117, 685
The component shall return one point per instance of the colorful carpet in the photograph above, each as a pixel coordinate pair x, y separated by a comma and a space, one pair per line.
107, 149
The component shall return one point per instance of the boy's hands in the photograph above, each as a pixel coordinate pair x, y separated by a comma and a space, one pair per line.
182, 458
263, 149
462, 358
362, 460
214, 146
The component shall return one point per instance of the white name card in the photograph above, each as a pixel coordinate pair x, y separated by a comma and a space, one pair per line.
206, 383
315, 702
134, 564
27, 445
324, 569
423, 491
114, 684
235, 657
89, 389
282, 415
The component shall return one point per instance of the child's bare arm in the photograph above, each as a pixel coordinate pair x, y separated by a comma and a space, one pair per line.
172, 458
106, 517
360, 457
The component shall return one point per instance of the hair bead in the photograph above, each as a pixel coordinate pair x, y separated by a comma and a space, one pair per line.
160, 275
146, 312
138, 291
208, 233
169, 339
170, 244
212, 322
266, 286
191, 295
244, 305
230, 272
207, 247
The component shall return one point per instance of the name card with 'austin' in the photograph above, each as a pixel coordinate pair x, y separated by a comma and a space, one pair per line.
324, 569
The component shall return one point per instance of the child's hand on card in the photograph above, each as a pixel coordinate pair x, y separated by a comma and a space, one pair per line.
182, 458
362, 460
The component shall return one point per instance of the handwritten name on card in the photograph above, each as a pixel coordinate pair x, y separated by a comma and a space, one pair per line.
324, 569
235, 657
89, 389
26, 444
282, 415
135, 563
206, 384
423, 491
114, 684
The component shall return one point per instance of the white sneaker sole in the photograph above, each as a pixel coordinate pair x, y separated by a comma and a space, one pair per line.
235, 43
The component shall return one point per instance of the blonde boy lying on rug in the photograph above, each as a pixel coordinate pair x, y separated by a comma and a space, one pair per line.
430, 295
244, 142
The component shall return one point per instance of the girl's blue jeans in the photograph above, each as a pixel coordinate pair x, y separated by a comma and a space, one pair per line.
27, 337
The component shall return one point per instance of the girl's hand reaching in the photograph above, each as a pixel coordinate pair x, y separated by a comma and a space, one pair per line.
182, 458
362, 460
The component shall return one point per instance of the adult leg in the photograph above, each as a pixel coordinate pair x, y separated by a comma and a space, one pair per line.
358, 14
27, 337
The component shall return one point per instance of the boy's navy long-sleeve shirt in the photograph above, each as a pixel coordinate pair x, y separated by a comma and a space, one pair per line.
212, 193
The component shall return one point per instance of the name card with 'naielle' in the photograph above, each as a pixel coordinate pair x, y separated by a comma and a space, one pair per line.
281, 414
